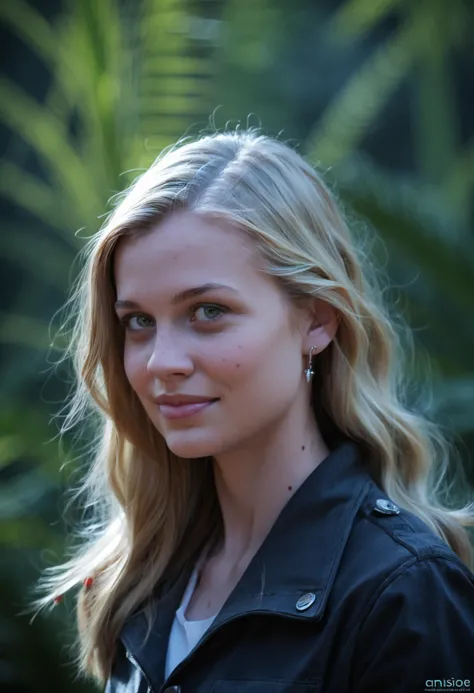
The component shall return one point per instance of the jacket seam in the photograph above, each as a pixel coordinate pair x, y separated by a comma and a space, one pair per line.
393, 534
385, 584
390, 579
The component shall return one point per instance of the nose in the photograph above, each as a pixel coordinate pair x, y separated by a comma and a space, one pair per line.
168, 358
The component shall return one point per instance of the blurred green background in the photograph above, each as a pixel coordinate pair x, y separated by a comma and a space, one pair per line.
378, 93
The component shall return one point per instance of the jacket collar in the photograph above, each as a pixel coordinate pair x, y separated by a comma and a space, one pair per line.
300, 555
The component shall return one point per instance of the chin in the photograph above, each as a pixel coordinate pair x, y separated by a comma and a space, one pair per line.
190, 447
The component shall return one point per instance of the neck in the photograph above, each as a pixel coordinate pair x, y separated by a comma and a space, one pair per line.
256, 481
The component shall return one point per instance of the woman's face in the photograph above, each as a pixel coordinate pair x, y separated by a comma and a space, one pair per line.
233, 343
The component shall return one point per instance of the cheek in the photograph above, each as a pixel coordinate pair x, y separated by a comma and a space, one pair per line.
239, 367
264, 371
237, 362
134, 363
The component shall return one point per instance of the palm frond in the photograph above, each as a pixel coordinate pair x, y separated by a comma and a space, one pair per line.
38, 198
24, 250
345, 120
48, 135
23, 330
173, 82
413, 217
355, 18
31, 27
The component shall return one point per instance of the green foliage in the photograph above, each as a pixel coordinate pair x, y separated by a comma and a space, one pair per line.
33, 649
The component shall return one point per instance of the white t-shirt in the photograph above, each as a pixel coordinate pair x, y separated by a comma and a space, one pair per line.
185, 634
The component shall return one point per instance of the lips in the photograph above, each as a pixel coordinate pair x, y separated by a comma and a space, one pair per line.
187, 403
179, 399
179, 411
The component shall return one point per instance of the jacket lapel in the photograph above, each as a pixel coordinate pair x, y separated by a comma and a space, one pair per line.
303, 550
149, 647
300, 556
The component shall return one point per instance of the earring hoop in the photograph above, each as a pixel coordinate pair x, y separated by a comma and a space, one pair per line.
309, 371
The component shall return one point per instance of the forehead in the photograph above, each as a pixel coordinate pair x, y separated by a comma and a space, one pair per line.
188, 250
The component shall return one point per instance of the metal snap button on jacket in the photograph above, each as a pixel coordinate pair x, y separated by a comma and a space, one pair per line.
305, 601
386, 507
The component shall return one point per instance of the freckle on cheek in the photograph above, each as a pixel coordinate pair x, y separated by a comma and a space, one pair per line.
237, 365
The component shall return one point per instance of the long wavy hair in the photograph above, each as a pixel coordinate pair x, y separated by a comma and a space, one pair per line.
150, 512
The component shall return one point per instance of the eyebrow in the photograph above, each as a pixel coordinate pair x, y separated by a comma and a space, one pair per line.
182, 295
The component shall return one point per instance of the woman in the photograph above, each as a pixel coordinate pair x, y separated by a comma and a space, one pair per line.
266, 516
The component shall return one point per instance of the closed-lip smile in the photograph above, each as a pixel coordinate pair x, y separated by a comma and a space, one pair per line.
177, 400
183, 407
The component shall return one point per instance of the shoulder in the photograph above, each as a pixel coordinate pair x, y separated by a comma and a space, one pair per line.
416, 627
397, 536
417, 615
389, 545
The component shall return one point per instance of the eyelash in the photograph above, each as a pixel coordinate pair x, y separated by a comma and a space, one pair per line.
125, 321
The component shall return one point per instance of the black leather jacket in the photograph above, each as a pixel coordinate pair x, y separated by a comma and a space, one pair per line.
348, 593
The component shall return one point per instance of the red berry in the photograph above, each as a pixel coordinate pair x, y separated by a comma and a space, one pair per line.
58, 599
88, 583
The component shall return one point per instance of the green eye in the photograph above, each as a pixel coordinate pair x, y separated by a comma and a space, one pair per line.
144, 322
127, 319
209, 306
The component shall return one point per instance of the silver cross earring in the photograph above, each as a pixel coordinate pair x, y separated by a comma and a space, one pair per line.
309, 371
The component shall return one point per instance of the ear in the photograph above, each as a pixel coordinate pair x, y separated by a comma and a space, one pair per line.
322, 325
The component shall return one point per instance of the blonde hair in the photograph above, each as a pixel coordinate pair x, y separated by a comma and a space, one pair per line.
153, 511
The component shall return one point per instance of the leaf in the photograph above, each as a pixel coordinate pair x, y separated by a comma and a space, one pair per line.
38, 198
11, 448
31, 27
355, 18
413, 217
42, 129
28, 532
357, 104
23, 251
24, 330
170, 81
